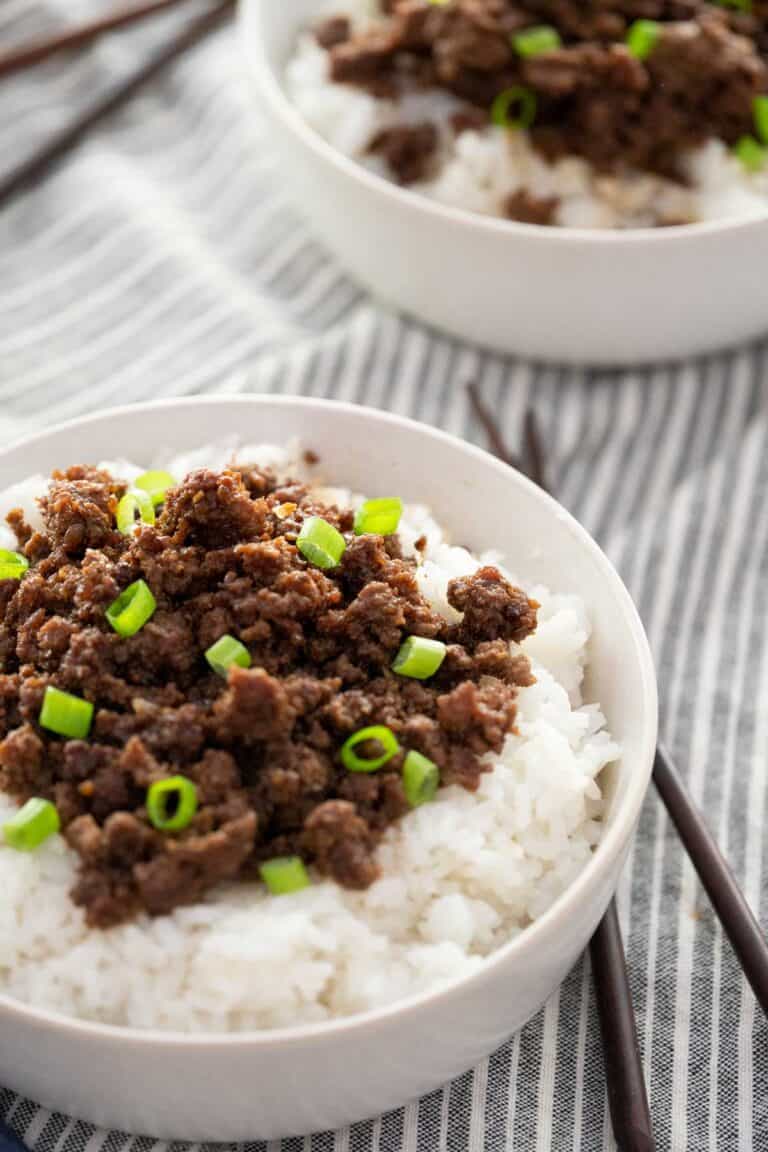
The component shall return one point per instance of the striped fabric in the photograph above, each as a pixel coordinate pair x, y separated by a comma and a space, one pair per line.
162, 260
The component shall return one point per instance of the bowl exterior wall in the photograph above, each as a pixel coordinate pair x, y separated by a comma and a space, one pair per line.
238, 1093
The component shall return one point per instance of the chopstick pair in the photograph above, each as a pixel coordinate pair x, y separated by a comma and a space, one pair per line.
60, 144
627, 1094
25, 56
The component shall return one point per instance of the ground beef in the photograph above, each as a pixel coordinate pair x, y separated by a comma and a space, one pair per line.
79, 510
333, 31
492, 608
188, 867
408, 149
469, 120
529, 209
341, 843
594, 98
261, 746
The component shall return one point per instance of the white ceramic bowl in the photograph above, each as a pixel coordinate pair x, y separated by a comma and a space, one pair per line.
267, 1084
547, 293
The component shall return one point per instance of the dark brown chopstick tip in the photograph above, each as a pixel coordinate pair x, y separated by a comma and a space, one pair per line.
627, 1095
536, 467
60, 145
490, 427
36, 51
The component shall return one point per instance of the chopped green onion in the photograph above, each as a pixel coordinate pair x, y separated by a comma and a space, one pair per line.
642, 36
739, 5
514, 108
226, 652
12, 565
383, 736
751, 154
32, 825
171, 803
439, 3
534, 41
421, 777
132, 609
66, 715
155, 484
419, 657
320, 543
134, 504
284, 874
379, 517
760, 116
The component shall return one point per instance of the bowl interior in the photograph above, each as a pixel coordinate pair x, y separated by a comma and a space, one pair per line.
483, 503
280, 24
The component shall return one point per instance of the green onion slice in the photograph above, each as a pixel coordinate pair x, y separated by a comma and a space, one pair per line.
514, 108
226, 652
760, 116
534, 41
66, 715
382, 735
642, 36
739, 5
284, 874
419, 657
12, 565
171, 803
155, 484
135, 504
320, 543
379, 517
32, 825
750, 153
132, 609
421, 777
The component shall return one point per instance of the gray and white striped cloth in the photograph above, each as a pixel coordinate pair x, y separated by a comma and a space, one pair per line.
162, 259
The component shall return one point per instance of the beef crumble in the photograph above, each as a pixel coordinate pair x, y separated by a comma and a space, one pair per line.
529, 209
262, 746
408, 149
594, 97
333, 31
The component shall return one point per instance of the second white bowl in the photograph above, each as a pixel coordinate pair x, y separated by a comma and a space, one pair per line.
546, 293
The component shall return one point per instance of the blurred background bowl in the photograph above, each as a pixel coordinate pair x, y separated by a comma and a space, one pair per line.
546, 293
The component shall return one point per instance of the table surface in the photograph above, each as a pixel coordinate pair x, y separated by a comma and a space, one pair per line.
162, 260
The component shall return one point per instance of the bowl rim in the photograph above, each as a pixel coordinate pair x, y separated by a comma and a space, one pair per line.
264, 72
617, 835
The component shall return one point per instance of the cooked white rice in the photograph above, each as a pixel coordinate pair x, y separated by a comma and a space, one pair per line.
479, 170
460, 876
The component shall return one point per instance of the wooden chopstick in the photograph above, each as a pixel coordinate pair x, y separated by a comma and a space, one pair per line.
25, 55
729, 902
534, 453
714, 872
491, 429
627, 1095
42, 161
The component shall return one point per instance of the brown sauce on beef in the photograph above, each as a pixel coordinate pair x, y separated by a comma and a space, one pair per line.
263, 745
594, 98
